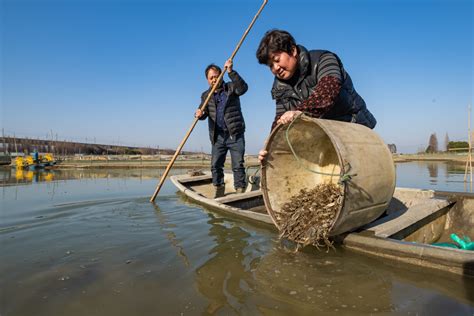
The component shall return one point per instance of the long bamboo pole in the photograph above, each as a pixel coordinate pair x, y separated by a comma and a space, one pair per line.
204, 105
469, 155
470, 146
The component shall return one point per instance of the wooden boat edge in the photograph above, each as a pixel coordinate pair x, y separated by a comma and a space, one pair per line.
425, 255
259, 218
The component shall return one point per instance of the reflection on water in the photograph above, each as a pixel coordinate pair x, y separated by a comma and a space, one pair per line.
11, 176
252, 276
88, 242
18, 176
226, 279
441, 176
170, 235
433, 171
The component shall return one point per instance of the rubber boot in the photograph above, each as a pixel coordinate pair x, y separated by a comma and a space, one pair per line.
219, 191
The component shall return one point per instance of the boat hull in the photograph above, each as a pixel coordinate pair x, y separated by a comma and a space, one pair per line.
405, 232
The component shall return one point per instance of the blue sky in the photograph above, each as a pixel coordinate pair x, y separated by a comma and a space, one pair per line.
131, 72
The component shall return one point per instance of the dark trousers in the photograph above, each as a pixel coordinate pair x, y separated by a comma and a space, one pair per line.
236, 146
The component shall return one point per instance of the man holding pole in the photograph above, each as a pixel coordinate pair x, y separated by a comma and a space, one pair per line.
226, 125
202, 109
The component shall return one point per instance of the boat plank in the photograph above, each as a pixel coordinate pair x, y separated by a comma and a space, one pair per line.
192, 179
238, 197
387, 227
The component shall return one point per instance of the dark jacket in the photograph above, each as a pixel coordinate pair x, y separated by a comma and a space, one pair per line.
349, 105
233, 117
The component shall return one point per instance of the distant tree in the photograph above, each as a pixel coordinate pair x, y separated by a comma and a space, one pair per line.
147, 151
131, 151
462, 146
432, 144
446, 142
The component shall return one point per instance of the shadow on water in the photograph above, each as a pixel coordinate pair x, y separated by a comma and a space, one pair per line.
170, 235
226, 279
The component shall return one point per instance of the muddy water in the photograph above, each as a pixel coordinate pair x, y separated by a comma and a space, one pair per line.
90, 243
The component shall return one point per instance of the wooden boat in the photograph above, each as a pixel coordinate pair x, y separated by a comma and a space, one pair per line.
414, 221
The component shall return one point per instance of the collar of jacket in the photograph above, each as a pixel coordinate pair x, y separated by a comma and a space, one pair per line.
303, 62
222, 87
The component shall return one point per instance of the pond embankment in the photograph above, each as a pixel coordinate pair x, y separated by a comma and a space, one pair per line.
461, 158
204, 160
126, 161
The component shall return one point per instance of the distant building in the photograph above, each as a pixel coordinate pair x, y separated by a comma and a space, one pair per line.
392, 148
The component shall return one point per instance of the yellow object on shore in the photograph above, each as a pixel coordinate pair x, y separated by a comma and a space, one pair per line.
21, 162
28, 161
48, 158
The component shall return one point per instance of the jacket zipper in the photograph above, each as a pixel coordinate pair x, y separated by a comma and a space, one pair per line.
225, 108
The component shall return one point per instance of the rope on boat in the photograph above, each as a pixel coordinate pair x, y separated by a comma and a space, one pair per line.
251, 179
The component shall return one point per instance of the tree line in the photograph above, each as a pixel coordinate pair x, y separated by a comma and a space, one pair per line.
459, 146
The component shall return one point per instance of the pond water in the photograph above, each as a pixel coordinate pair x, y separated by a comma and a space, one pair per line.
88, 242
440, 176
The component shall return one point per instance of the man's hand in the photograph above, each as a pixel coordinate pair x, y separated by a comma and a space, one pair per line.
262, 155
288, 116
228, 65
198, 113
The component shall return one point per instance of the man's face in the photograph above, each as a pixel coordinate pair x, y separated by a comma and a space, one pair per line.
283, 65
212, 76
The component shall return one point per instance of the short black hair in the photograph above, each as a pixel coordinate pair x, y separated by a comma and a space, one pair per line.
272, 42
212, 66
